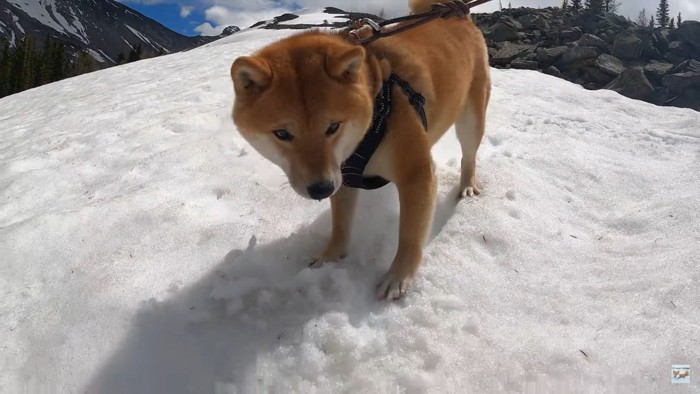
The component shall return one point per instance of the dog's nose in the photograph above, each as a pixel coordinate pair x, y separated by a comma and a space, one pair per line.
321, 190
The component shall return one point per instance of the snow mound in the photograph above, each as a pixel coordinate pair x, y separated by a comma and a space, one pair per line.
147, 248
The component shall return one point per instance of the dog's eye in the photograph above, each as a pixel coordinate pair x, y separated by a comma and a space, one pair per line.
332, 129
283, 135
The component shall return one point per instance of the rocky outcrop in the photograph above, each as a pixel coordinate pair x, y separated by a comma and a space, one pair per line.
661, 66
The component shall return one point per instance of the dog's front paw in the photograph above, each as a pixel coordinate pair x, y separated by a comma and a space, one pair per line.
393, 286
469, 191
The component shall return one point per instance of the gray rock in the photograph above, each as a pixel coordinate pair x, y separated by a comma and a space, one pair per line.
656, 70
508, 53
609, 64
598, 77
578, 57
501, 32
689, 32
551, 55
589, 40
571, 35
680, 49
524, 64
684, 76
551, 70
627, 46
632, 83
533, 22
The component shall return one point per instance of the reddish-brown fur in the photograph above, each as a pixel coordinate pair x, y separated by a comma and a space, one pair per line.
306, 82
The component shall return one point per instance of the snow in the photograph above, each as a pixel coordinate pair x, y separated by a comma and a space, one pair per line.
312, 17
47, 13
147, 248
15, 19
139, 35
96, 55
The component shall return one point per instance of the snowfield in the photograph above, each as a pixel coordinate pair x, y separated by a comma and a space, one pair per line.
146, 248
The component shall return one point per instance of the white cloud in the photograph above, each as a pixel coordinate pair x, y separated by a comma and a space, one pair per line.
206, 29
244, 13
185, 11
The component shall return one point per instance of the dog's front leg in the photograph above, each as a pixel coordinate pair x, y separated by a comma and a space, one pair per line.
342, 211
417, 204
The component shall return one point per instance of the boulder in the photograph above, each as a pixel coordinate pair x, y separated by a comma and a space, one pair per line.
609, 64
627, 46
689, 32
685, 75
598, 77
571, 34
524, 64
679, 50
578, 57
508, 53
590, 40
501, 32
533, 22
656, 70
551, 70
506, 29
632, 83
550, 55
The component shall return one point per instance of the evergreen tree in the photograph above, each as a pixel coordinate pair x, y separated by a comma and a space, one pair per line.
651, 22
576, 5
680, 20
594, 6
121, 59
642, 18
24, 67
135, 53
662, 14
565, 5
84, 63
5, 69
672, 25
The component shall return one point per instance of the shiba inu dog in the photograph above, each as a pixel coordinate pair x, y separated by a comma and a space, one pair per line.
306, 102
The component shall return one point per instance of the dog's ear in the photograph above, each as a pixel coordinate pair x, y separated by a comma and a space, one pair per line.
344, 63
250, 74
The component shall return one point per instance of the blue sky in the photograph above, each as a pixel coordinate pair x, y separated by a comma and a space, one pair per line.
209, 17
169, 14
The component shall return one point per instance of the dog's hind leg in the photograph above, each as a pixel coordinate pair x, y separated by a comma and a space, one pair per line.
470, 130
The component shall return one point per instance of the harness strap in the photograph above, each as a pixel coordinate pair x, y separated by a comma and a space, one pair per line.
354, 167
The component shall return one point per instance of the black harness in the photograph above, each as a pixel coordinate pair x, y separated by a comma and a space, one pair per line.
354, 167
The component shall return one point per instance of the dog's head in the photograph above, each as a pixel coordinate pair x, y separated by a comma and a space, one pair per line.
304, 103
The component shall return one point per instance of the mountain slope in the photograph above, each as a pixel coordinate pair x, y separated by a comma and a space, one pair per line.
104, 27
147, 248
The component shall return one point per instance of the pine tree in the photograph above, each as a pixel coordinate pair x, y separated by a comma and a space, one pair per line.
642, 18
121, 59
594, 6
84, 63
5, 69
576, 5
662, 14
135, 53
565, 5
672, 25
680, 20
24, 64
651, 22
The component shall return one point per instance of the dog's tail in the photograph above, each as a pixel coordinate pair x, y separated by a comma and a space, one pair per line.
418, 6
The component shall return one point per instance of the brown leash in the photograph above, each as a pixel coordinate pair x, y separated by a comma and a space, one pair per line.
458, 8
